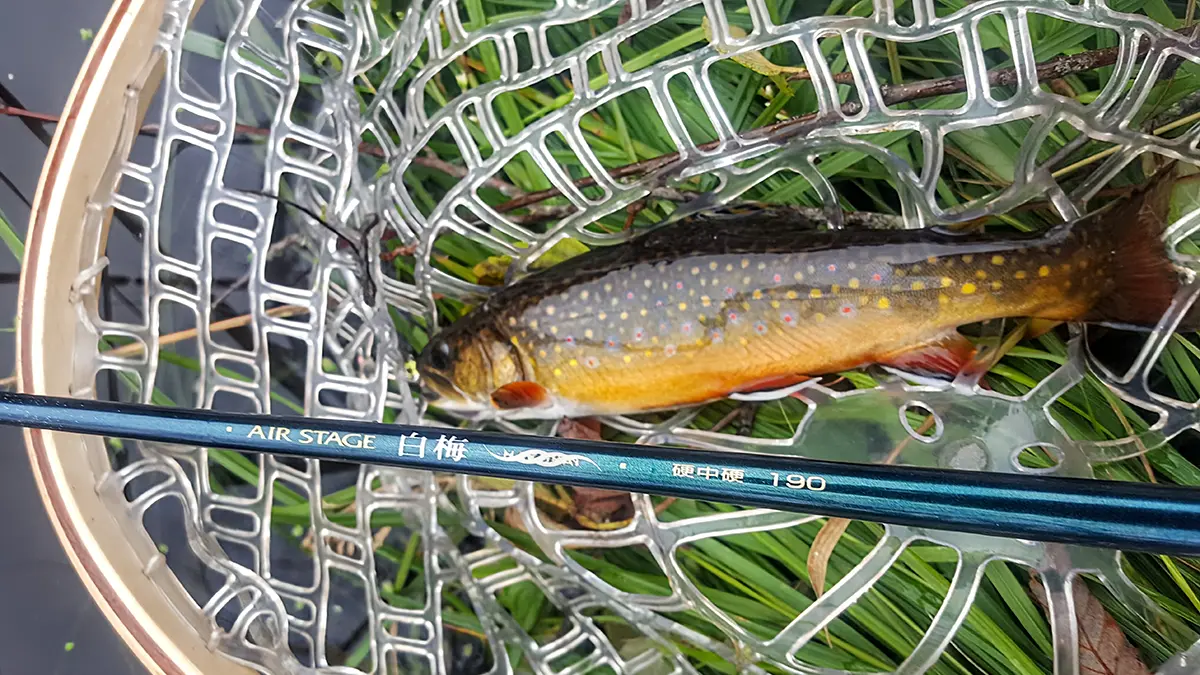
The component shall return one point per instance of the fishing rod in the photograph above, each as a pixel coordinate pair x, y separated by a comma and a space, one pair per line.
1126, 516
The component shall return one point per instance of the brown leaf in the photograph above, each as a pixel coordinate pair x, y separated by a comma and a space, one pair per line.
822, 550
1103, 647
595, 504
586, 429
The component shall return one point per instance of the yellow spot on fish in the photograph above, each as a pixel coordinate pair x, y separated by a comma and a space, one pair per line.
701, 318
814, 293
853, 283
757, 295
968, 258
643, 311
682, 306
557, 349
695, 270
791, 295
774, 304
542, 353
899, 272
588, 333
947, 282
554, 330
608, 288
550, 310
583, 295
746, 306
602, 316
512, 320
627, 358
705, 300
1044, 271
798, 276
744, 341
515, 341
996, 285
572, 363
1020, 275
712, 265
931, 259
819, 316
997, 260
745, 281
918, 285
834, 288
915, 268
943, 299
558, 372
745, 263
968, 288
533, 324
648, 353
624, 315
980, 274
729, 267
884, 303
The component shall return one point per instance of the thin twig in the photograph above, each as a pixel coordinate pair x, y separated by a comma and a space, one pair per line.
1051, 69
135, 348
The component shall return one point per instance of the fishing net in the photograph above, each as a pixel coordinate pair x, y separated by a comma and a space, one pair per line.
301, 566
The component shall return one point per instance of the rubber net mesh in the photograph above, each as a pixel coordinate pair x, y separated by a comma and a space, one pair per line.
300, 566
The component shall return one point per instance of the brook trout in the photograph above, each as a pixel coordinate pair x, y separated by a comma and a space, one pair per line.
708, 306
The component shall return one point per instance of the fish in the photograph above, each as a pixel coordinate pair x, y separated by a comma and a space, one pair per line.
718, 304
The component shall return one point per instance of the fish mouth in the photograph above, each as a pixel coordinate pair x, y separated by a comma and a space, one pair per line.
441, 392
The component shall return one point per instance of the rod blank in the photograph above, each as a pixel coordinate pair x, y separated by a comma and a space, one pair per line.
1127, 516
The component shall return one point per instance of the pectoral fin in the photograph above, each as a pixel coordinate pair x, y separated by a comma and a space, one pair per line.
943, 357
520, 395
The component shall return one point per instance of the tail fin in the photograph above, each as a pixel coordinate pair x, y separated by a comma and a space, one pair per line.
1144, 280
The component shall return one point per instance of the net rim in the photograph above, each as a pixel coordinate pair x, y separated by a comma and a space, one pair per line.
119, 567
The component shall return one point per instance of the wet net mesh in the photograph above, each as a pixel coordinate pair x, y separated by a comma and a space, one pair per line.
313, 567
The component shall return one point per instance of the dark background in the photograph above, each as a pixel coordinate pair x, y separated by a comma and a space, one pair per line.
48, 622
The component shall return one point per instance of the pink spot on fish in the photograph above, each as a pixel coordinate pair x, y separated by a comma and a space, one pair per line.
678, 285
788, 318
669, 350
832, 268
629, 295
877, 277
847, 310
760, 328
591, 362
716, 335
639, 334
729, 291
778, 278
686, 328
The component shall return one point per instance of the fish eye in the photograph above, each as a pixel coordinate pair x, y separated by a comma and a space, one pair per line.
441, 357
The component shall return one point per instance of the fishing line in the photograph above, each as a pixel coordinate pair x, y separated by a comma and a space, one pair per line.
359, 245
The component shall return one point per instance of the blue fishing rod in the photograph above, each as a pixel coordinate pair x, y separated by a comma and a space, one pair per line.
1126, 516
